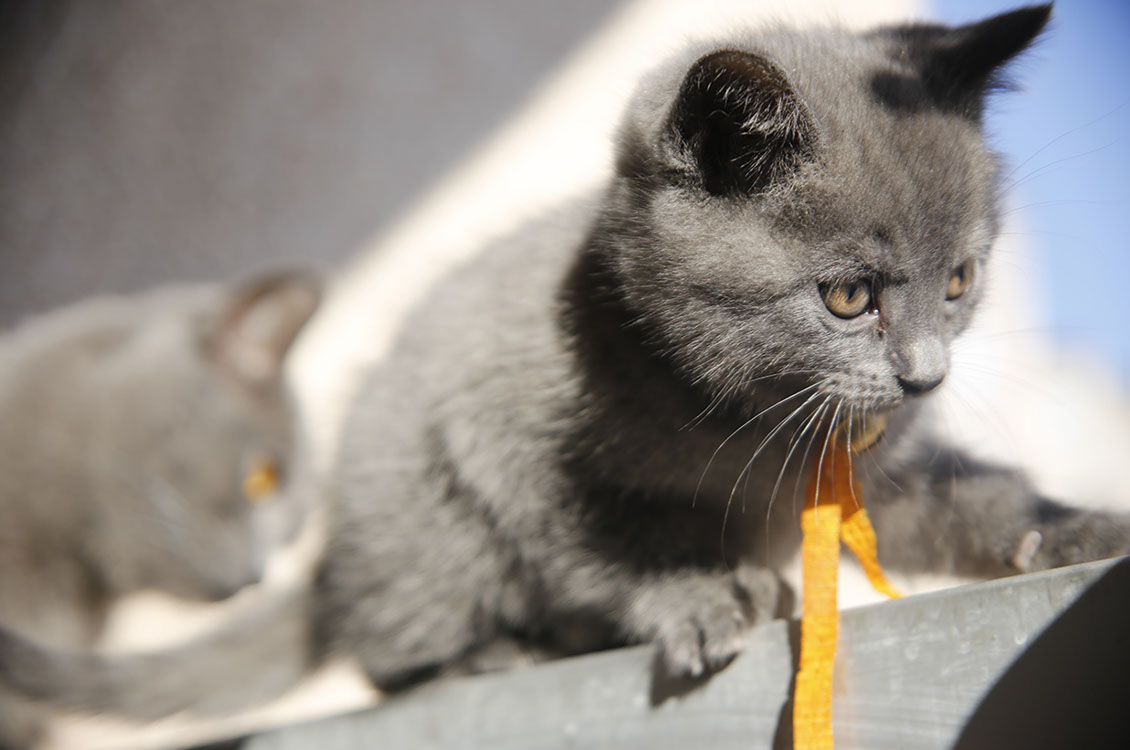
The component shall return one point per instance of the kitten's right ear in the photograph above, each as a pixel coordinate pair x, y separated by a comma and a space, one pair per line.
257, 323
740, 123
959, 65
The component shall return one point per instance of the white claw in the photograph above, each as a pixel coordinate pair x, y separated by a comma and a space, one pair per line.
1026, 552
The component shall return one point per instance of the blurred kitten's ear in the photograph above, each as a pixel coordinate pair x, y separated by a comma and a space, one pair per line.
740, 123
258, 322
959, 65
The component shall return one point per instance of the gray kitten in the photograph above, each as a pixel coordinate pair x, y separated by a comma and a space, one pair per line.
141, 440
598, 432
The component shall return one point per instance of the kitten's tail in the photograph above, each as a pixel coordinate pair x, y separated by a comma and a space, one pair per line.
252, 659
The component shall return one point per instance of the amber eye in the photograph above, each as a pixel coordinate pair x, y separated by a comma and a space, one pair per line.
848, 299
961, 278
260, 478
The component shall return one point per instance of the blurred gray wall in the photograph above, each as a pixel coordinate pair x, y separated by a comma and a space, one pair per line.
145, 141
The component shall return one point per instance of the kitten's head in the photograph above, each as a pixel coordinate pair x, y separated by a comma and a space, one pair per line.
815, 204
204, 438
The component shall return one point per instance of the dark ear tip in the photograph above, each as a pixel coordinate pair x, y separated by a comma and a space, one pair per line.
1034, 17
728, 65
1040, 13
722, 58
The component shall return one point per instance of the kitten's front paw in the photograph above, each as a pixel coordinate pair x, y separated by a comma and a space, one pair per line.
1075, 536
699, 622
706, 640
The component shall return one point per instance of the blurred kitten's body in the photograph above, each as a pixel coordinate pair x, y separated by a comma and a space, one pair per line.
129, 425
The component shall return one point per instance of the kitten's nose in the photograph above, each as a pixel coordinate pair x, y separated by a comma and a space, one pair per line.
914, 387
920, 364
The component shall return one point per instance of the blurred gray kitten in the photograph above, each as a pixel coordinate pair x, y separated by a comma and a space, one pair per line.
598, 431
147, 443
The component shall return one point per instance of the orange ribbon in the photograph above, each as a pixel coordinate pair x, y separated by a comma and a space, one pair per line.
833, 512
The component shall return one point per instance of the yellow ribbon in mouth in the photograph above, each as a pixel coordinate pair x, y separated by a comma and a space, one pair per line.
833, 512
864, 433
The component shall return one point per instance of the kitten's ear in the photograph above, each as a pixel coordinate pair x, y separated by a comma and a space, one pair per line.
959, 65
740, 123
258, 322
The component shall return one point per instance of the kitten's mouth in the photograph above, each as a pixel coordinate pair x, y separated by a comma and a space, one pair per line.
864, 433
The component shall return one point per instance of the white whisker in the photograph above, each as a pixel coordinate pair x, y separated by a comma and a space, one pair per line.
730, 437
804, 459
757, 451
729, 390
794, 443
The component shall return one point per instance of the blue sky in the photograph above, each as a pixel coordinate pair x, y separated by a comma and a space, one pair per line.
1067, 134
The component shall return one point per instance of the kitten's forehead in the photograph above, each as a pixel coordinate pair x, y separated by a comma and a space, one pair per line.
891, 185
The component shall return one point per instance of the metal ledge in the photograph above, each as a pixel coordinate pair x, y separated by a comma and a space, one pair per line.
1035, 661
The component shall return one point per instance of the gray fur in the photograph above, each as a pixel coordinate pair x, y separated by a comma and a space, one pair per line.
598, 431
127, 427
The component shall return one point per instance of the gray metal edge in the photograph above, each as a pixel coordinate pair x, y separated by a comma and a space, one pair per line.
909, 673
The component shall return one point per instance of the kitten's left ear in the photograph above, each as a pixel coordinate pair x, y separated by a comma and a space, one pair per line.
257, 324
739, 123
959, 65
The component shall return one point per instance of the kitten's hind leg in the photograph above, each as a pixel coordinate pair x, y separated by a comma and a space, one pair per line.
950, 513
